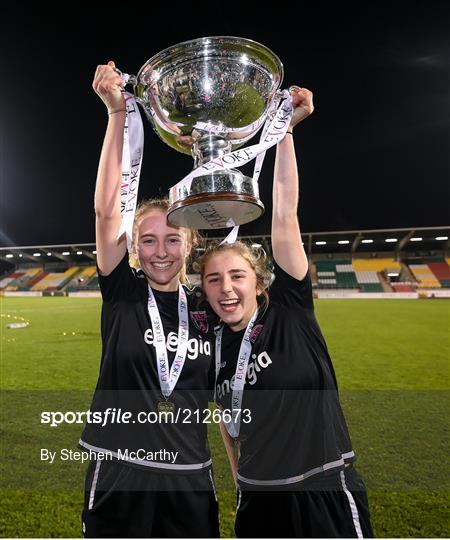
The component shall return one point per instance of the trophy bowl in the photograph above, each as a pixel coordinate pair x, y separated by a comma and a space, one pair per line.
207, 97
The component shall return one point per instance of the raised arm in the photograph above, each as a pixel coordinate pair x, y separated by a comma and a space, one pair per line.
287, 245
110, 250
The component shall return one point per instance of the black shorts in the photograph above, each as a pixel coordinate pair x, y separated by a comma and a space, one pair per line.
123, 501
333, 506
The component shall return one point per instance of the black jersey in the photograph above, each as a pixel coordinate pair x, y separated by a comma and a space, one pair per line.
297, 427
128, 380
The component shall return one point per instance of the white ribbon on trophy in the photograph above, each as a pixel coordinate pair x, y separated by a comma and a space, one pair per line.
132, 153
273, 132
133, 147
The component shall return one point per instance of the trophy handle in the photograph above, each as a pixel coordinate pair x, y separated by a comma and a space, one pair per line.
126, 78
130, 79
278, 96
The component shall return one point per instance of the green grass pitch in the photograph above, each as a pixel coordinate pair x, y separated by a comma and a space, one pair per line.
392, 362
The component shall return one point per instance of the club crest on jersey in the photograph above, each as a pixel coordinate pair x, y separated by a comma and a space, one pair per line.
255, 332
200, 320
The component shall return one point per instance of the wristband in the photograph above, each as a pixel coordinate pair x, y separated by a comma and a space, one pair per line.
114, 111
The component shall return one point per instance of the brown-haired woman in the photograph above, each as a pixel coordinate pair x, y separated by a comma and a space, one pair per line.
151, 474
283, 426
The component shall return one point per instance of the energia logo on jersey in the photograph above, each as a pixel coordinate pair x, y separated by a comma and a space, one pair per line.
260, 362
195, 346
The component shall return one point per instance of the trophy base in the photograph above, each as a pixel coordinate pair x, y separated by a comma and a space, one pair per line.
218, 200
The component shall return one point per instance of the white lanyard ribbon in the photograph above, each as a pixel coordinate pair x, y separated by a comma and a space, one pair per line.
168, 379
132, 152
245, 350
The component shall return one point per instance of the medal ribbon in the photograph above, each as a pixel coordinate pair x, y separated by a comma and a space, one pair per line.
168, 379
245, 350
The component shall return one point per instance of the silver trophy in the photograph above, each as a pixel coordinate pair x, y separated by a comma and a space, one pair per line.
207, 97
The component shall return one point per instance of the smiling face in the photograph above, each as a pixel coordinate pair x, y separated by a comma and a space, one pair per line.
230, 286
161, 250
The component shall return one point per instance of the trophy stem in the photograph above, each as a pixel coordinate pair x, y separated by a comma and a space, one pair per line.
209, 147
218, 199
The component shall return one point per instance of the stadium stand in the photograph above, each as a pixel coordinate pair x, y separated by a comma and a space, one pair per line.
93, 284
375, 265
55, 280
424, 276
373, 274
342, 263
336, 275
9, 281
365, 275
37, 277
362, 274
441, 271
403, 287
20, 280
369, 281
81, 281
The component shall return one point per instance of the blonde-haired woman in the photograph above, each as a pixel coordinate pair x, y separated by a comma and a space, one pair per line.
151, 474
283, 426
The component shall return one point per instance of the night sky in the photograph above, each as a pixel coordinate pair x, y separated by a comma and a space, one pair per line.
373, 155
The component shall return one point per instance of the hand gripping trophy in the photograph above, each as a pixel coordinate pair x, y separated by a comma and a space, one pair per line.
207, 97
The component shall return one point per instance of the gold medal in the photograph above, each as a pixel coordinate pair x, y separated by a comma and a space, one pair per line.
166, 407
